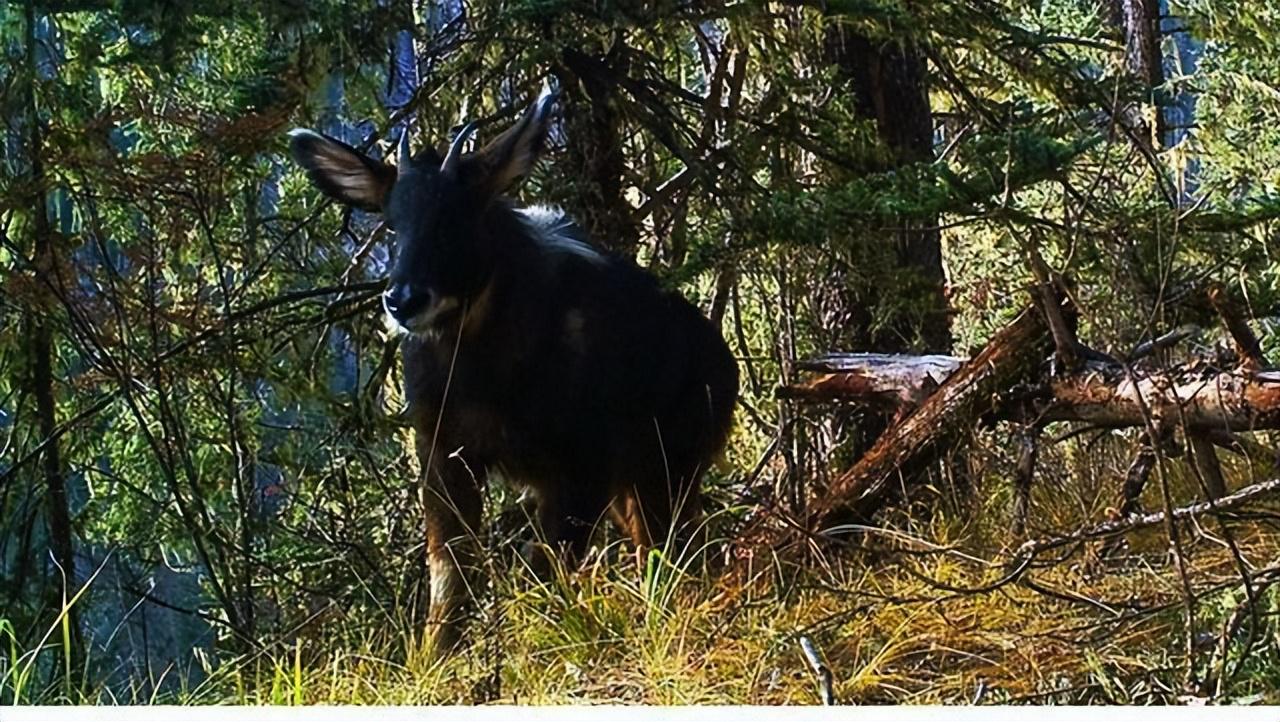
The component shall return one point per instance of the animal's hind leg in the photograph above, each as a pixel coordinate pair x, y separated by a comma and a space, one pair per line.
567, 516
651, 515
452, 504
626, 514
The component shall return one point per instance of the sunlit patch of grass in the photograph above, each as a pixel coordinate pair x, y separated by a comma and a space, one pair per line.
661, 634
662, 629
657, 635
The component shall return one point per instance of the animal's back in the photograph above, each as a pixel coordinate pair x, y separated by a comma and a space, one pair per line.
656, 364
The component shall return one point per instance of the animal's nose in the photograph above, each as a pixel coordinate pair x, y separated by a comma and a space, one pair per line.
404, 300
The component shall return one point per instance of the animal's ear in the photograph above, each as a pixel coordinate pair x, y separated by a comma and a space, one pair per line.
340, 171
509, 157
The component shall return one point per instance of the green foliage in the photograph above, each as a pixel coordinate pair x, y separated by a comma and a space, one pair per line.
231, 399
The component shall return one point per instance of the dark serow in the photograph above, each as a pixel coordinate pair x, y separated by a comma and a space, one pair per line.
530, 354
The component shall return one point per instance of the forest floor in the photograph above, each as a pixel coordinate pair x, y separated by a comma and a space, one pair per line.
911, 614
1111, 632
1088, 627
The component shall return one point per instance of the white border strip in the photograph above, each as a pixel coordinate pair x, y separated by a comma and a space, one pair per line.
637, 714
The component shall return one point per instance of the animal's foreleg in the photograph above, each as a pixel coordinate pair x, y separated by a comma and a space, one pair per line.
452, 502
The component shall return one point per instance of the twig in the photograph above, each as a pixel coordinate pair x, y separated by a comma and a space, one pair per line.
1154, 431
1024, 473
980, 692
1141, 521
1146, 348
1216, 680
1135, 480
1044, 295
364, 289
820, 670
52, 438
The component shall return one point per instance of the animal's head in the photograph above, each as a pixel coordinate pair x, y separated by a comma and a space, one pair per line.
436, 206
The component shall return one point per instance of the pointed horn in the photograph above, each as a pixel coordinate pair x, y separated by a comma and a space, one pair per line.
450, 164
403, 154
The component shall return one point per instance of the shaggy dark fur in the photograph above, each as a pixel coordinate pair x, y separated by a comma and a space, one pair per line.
563, 369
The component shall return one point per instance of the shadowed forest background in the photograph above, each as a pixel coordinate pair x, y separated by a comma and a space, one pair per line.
206, 491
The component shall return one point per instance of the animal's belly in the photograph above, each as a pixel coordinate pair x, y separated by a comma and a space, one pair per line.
528, 454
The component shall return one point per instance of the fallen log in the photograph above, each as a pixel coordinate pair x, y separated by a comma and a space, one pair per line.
936, 399
1012, 357
1207, 403
1196, 396
885, 381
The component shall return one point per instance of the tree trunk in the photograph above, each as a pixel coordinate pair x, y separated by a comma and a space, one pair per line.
887, 82
1139, 22
594, 157
42, 348
886, 85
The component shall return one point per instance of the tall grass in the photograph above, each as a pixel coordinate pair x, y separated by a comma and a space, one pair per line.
672, 629
21, 670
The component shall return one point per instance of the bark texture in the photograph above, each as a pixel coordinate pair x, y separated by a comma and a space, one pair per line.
593, 157
888, 84
1012, 357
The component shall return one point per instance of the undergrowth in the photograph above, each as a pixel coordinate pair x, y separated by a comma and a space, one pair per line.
896, 616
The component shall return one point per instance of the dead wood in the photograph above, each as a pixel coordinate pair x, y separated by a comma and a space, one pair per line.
1029, 443
1012, 357
939, 398
1135, 479
1263, 460
1205, 458
1247, 346
1133, 522
889, 382
1196, 395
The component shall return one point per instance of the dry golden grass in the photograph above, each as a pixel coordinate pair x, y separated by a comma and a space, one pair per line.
890, 615
615, 634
